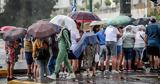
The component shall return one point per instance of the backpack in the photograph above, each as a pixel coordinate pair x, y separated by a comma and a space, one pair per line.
42, 53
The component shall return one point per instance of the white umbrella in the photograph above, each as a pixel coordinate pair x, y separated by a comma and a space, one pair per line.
65, 21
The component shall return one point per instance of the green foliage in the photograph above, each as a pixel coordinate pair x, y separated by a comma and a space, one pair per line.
24, 12
155, 13
11, 13
116, 1
107, 2
97, 5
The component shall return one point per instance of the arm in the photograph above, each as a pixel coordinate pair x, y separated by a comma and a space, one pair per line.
34, 50
145, 40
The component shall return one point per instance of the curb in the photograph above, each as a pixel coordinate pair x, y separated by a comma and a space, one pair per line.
3, 72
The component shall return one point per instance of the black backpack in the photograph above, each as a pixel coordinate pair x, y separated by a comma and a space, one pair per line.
42, 53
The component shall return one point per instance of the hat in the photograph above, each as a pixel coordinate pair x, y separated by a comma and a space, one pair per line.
86, 26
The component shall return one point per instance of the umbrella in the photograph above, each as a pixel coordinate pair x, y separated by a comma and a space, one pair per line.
141, 21
42, 29
7, 28
119, 20
86, 39
84, 17
14, 34
65, 21
97, 23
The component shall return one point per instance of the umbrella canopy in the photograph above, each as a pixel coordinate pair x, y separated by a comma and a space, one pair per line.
97, 23
141, 21
7, 28
42, 29
84, 16
65, 21
119, 20
14, 34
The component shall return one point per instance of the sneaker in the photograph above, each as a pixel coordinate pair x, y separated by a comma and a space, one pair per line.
98, 71
119, 71
71, 76
114, 71
106, 71
53, 76
66, 74
60, 74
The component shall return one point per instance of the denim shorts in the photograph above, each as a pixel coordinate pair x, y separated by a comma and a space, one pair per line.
112, 47
119, 49
28, 56
103, 53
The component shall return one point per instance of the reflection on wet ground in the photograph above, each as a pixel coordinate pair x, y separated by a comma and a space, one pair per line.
138, 77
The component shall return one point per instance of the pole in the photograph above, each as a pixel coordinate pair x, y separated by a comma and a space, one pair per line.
90, 5
146, 8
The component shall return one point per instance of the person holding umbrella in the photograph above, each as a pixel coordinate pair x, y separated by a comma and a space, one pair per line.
64, 43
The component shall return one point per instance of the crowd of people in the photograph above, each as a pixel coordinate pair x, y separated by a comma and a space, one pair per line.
120, 47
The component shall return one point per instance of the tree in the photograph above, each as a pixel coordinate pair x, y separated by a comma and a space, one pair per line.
125, 7
107, 2
97, 5
116, 1
11, 13
24, 12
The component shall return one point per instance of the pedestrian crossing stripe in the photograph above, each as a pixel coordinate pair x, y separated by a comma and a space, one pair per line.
21, 82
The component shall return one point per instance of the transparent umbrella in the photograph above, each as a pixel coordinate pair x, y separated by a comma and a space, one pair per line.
65, 21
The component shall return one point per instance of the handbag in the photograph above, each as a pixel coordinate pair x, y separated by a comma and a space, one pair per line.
96, 57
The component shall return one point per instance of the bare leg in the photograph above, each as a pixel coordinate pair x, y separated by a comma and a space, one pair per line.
11, 70
8, 70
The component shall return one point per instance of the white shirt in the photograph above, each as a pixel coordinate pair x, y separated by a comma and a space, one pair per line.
139, 42
120, 41
74, 37
111, 33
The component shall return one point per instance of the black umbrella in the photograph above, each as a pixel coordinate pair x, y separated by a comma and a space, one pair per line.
42, 29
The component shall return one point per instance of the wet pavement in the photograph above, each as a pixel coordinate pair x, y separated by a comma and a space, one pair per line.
138, 77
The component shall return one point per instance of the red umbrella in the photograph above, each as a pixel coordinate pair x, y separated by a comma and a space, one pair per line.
84, 17
7, 28
14, 34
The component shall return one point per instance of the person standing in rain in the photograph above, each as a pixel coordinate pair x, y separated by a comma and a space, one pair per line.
64, 44
103, 49
112, 34
11, 59
139, 45
28, 55
128, 45
152, 40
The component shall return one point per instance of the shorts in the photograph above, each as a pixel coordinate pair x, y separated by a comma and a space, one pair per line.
112, 47
128, 53
153, 50
139, 53
28, 56
71, 55
119, 49
103, 53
